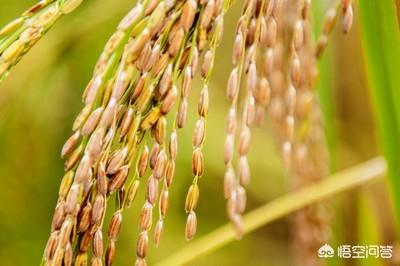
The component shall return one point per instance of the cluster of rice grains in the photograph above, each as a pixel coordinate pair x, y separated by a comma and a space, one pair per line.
121, 136
18, 36
273, 50
296, 117
330, 21
256, 36
154, 52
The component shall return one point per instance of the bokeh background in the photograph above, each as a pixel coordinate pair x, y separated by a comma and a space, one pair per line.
41, 97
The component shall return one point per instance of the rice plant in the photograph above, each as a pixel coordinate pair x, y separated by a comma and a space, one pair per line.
124, 141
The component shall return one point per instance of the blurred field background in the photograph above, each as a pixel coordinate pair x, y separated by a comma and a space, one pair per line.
41, 97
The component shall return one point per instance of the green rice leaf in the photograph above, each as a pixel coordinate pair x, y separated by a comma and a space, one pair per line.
381, 47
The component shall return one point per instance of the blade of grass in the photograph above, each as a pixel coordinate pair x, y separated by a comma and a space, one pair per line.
381, 46
353, 177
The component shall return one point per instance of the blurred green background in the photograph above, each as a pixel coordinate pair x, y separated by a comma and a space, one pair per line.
41, 97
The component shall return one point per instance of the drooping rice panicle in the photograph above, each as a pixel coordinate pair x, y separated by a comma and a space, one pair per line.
262, 92
211, 19
256, 33
187, 20
233, 87
135, 85
307, 158
21, 34
294, 81
94, 145
127, 98
330, 22
309, 154
252, 71
327, 27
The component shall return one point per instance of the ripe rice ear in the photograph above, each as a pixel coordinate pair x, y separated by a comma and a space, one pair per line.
20, 35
